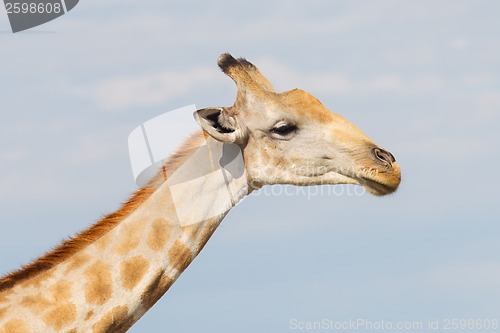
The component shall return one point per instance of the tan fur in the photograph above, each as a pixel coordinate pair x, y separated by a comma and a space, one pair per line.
130, 237
61, 317
192, 230
115, 320
99, 285
77, 261
37, 304
61, 290
180, 256
4, 296
89, 315
132, 271
208, 230
3, 311
245, 78
14, 326
159, 234
37, 281
156, 289
256, 75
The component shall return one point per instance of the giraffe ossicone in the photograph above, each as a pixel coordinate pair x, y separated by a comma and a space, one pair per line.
106, 277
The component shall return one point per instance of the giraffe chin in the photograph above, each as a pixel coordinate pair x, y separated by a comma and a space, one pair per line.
380, 182
379, 187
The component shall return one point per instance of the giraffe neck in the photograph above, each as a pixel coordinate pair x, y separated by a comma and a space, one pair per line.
109, 284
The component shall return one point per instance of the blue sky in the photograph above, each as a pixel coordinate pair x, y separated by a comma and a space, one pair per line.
420, 78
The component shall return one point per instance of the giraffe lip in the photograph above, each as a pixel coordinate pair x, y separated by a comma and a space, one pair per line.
380, 181
377, 188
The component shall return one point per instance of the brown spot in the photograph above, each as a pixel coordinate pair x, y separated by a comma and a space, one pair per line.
73, 330
159, 234
3, 311
15, 326
116, 320
61, 316
37, 303
156, 289
77, 261
192, 230
61, 291
130, 236
89, 314
99, 285
180, 256
207, 233
132, 271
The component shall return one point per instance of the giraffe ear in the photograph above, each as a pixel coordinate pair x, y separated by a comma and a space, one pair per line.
217, 123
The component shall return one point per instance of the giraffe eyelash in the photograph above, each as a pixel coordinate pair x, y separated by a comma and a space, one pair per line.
284, 129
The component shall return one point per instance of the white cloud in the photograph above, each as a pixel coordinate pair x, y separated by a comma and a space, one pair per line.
412, 55
460, 43
97, 147
475, 80
146, 90
13, 154
156, 88
481, 274
383, 83
285, 78
295, 23
489, 103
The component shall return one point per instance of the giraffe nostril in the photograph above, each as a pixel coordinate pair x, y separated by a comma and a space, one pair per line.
383, 156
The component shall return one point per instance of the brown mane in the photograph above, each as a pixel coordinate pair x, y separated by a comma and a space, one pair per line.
108, 222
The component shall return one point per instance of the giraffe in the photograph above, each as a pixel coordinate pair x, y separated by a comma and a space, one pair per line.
106, 277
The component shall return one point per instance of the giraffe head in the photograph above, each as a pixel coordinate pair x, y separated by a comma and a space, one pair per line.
291, 138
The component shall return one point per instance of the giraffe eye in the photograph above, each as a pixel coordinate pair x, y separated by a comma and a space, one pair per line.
284, 130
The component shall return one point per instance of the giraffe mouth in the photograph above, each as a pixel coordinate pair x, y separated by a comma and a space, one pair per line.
381, 183
378, 188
